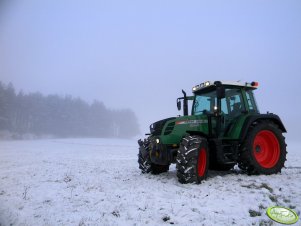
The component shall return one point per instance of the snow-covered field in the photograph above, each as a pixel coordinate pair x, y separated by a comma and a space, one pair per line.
97, 182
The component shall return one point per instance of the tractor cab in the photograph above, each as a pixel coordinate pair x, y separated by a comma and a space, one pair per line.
224, 103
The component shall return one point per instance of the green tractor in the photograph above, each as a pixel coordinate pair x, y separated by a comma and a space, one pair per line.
225, 128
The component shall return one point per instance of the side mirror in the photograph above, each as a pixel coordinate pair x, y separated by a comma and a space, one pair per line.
220, 92
179, 105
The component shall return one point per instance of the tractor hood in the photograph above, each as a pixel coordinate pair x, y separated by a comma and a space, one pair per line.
156, 127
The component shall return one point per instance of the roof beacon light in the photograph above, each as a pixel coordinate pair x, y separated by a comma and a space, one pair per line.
256, 84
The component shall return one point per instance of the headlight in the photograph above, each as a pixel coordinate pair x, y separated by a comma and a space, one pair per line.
157, 141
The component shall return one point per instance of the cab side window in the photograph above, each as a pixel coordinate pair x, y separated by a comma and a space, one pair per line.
251, 101
235, 102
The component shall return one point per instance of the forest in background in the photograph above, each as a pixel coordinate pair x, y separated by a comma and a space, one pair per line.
52, 115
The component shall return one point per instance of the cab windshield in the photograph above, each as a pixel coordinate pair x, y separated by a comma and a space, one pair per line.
232, 104
204, 103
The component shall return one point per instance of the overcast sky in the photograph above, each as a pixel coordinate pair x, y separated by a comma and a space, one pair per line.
140, 54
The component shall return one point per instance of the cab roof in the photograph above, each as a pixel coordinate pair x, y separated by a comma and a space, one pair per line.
211, 84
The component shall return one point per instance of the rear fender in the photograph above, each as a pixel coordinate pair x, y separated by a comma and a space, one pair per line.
254, 118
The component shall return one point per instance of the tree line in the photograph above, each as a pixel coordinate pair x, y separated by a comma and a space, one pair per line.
37, 114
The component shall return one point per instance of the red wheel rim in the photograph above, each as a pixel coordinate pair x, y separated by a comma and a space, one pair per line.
266, 149
202, 161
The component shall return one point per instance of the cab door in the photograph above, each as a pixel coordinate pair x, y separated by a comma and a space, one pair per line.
232, 107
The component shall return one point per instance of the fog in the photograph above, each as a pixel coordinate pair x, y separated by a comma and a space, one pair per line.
140, 54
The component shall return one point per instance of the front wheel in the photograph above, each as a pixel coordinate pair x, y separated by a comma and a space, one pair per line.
144, 161
264, 150
192, 160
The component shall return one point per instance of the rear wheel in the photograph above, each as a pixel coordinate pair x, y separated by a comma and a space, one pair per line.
145, 163
264, 150
192, 160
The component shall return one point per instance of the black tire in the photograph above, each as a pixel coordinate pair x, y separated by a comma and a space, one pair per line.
145, 163
264, 149
143, 156
192, 160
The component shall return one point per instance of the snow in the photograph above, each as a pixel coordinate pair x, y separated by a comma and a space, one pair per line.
97, 182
